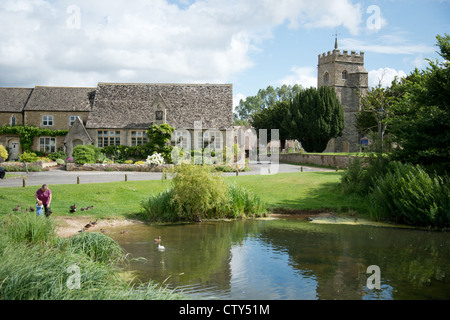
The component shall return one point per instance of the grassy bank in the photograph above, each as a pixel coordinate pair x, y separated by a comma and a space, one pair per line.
293, 191
35, 264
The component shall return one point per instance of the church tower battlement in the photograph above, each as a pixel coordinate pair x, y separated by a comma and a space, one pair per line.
346, 74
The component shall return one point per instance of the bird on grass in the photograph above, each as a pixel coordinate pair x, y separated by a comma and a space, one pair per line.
31, 209
94, 223
74, 207
16, 208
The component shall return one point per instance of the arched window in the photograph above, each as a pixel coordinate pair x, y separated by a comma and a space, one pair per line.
344, 75
13, 121
326, 78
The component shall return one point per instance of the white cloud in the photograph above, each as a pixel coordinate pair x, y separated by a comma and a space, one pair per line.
385, 76
148, 41
237, 98
388, 45
304, 76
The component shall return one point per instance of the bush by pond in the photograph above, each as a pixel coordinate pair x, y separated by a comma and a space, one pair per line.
399, 192
197, 193
408, 194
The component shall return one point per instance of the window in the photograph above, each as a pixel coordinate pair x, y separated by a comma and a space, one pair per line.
72, 120
47, 121
213, 139
47, 145
13, 121
344, 75
159, 115
138, 138
108, 138
182, 139
326, 78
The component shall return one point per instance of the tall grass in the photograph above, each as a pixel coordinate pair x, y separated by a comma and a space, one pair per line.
96, 246
408, 194
29, 228
243, 203
37, 266
160, 207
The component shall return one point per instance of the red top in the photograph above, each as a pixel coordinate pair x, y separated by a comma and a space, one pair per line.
43, 196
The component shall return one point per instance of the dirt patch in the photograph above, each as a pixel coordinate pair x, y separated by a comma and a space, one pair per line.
68, 226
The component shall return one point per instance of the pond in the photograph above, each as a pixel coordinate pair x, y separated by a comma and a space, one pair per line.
290, 258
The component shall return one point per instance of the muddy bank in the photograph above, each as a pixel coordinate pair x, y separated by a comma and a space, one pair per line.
68, 226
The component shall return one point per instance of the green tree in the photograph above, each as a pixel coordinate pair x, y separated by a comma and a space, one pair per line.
314, 117
264, 99
420, 120
159, 139
272, 118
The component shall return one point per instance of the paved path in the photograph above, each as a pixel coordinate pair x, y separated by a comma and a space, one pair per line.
70, 177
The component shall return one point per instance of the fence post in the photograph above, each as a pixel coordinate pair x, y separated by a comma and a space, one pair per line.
78, 180
24, 183
126, 177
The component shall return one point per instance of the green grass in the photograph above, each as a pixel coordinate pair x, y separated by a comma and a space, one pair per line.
294, 191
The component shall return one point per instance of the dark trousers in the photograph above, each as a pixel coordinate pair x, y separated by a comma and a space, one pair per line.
47, 209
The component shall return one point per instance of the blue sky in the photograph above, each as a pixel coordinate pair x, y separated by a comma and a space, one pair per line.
249, 43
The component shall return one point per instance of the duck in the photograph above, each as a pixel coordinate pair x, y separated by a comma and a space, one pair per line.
158, 239
123, 231
161, 248
31, 209
73, 210
16, 208
88, 226
94, 223
74, 207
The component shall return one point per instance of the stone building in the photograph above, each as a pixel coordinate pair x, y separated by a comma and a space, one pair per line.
119, 114
345, 73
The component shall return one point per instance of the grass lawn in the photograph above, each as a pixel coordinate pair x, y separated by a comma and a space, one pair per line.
296, 191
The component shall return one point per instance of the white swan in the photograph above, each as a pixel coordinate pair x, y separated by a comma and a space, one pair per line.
161, 248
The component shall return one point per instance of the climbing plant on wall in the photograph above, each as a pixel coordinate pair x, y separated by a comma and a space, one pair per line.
27, 134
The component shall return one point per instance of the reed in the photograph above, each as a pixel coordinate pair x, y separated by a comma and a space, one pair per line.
29, 227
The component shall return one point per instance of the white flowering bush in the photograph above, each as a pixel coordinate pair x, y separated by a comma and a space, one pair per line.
156, 158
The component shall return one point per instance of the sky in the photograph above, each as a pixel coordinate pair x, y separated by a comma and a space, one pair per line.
249, 43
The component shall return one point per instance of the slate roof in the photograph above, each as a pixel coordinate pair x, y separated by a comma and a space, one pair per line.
60, 99
119, 106
14, 99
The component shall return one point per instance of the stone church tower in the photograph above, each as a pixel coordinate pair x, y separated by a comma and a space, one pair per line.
346, 74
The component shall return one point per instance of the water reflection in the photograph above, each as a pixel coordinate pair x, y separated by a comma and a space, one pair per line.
291, 259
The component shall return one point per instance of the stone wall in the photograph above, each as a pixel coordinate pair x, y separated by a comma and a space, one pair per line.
336, 161
116, 167
20, 166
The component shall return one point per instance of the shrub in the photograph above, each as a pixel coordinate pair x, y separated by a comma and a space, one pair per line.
57, 155
140, 162
359, 176
29, 157
3, 153
199, 193
408, 194
84, 154
129, 162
